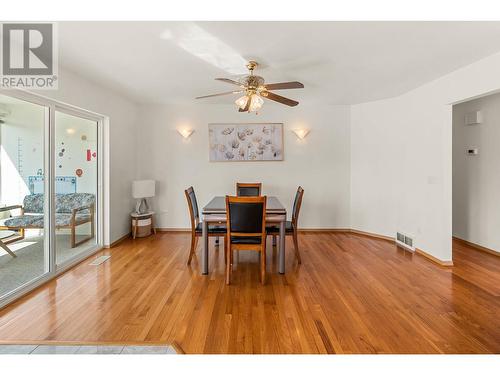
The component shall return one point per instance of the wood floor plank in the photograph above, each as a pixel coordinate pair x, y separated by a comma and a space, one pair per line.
351, 294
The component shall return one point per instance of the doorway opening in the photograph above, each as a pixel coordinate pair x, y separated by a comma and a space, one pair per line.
476, 175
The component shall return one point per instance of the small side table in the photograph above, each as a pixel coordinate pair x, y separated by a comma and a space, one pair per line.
142, 224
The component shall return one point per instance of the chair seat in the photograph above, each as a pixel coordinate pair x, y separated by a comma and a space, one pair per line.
242, 240
24, 221
36, 221
211, 228
275, 229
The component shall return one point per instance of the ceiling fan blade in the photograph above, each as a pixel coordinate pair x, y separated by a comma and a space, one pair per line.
280, 99
284, 85
227, 80
220, 94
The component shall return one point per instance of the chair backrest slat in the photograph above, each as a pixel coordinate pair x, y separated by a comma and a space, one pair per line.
248, 189
193, 207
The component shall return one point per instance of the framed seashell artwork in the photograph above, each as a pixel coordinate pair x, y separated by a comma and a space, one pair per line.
245, 142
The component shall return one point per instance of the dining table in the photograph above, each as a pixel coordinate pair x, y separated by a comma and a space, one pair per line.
215, 213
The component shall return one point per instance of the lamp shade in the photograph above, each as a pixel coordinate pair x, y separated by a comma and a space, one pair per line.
143, 189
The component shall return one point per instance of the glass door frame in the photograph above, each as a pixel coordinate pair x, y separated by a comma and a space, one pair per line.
50, 267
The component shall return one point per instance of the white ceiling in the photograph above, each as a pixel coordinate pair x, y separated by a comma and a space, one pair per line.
338, 62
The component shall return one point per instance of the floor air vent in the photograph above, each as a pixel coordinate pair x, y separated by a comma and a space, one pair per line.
100, 260
405, 241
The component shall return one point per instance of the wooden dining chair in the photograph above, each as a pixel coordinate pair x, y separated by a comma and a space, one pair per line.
291, 227
248, 189
246, 230
218, 230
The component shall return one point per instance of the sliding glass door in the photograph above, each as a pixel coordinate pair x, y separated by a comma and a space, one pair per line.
50, 189
23, 251
76, 172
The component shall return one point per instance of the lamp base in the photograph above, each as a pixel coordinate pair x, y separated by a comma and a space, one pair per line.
142, 207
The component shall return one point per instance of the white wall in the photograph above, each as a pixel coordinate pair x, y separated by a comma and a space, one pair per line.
476, 178
121, 135
320, 163
401, 158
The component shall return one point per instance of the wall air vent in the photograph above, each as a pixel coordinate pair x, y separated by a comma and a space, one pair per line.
100, 260
405, 241
400, 237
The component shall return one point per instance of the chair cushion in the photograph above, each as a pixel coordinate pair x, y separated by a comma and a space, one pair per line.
248, 191
244, 240
246, 217
276, 228
211, 228
24, 221
33, 203
65, 203
36, 221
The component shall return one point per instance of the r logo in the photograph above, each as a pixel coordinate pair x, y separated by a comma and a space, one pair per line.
27, 49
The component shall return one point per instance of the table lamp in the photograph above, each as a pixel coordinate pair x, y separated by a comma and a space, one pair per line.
141, 190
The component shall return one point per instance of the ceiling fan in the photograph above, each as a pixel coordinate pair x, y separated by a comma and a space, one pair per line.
255, 89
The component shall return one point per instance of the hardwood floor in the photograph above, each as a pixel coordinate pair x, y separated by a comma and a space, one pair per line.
351, 294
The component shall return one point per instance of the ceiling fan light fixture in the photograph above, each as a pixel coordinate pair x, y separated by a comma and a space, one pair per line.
256, 103
242, 102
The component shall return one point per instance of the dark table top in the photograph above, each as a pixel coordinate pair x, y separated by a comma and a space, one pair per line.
218, 205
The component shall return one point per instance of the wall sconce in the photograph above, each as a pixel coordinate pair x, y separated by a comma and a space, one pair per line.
186, 133
301, 133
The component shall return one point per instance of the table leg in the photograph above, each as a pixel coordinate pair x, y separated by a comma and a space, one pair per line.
134, 229
204, 254
282, 248
153, 226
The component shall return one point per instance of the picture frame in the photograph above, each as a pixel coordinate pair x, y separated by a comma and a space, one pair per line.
252, 141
